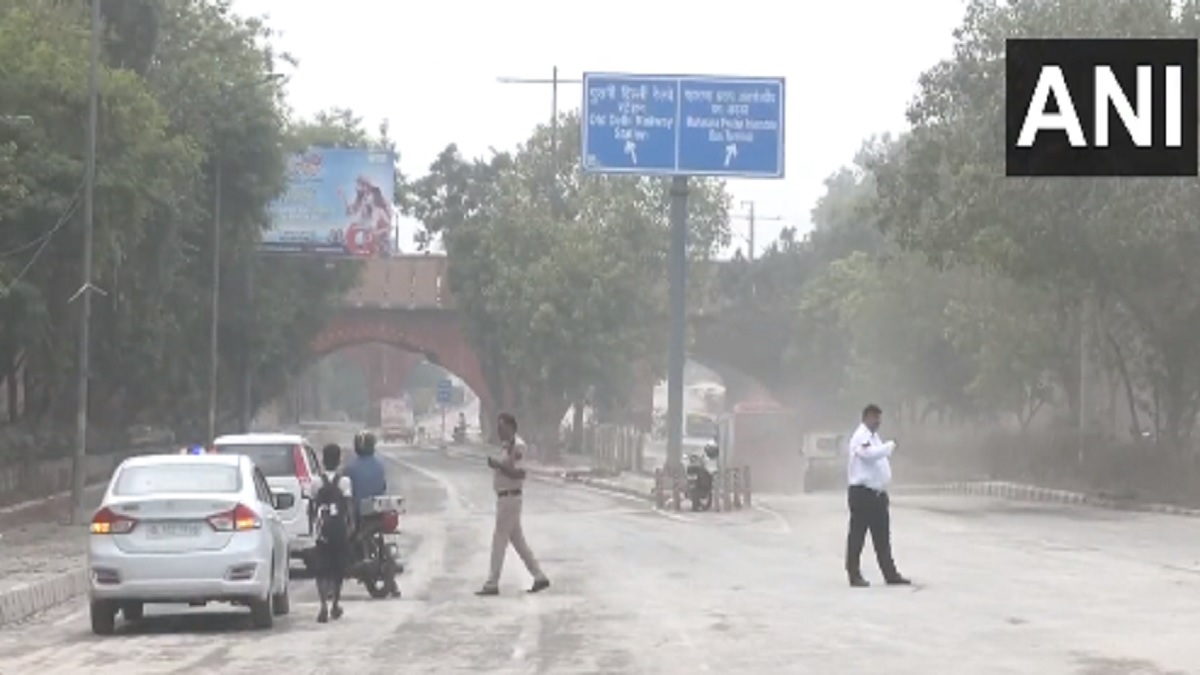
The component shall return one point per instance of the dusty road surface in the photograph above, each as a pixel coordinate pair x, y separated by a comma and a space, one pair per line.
1006, 589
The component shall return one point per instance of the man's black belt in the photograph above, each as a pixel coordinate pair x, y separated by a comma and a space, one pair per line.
868, 489
508, 493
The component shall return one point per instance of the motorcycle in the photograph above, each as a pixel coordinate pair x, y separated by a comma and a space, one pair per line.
700, 478
460, 434
374, 561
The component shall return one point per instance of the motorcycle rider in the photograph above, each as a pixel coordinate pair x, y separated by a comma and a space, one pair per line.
367, 476
368, 479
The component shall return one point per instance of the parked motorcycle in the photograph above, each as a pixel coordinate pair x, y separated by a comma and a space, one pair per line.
374, 553
699, 482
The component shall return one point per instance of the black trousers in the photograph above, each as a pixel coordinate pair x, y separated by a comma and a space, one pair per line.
869, 513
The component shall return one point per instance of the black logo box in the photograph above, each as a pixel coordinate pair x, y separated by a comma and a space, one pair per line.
1052, 155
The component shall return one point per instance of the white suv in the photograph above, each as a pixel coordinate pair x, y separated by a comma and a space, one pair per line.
289, 463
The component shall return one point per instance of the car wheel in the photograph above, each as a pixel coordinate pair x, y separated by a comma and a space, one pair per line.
281, 604
104, 617
262, 612
133, 611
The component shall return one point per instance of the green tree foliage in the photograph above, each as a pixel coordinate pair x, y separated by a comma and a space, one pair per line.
933, 283
561, 275
186, 95
1128, 244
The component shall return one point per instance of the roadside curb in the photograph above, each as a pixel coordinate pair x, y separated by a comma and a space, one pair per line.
20, 603
565, 475
608, 486
1033, 493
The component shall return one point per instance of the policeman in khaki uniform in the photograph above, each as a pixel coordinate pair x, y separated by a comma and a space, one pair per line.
509, 481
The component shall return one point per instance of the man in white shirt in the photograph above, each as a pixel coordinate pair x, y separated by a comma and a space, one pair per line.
868, 473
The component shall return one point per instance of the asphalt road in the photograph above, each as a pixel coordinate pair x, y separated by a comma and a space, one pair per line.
1005, 589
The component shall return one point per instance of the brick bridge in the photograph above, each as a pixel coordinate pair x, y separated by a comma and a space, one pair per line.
404, 303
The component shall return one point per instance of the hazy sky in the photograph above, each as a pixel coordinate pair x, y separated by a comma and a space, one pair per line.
431, 69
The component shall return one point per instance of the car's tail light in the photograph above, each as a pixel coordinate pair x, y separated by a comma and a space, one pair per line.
107, 522
302, 474
238, 519
390, 522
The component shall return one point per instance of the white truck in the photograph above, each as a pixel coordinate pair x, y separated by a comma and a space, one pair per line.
396, 421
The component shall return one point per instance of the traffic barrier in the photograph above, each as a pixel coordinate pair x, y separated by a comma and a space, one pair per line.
731, 489
614, 447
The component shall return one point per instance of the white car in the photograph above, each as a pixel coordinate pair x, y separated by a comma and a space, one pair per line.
289, 463
187, 529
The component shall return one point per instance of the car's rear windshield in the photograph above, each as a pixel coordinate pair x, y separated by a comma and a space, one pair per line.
272, 460
135, 481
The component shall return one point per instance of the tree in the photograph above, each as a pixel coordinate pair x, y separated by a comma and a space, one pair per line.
560, 274
1124, 244
184, 90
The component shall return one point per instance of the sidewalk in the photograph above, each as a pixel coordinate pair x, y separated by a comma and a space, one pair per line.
43, 560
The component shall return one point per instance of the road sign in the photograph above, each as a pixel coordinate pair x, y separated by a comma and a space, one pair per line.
445, 391
683, 125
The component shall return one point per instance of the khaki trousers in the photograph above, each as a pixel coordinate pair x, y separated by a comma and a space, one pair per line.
508, 531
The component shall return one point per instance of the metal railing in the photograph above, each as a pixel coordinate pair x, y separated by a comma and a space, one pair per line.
732, 490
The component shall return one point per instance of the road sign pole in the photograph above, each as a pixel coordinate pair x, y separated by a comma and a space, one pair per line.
443, 422
677, 350
682, 126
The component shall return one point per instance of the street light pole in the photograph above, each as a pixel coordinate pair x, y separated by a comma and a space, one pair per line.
554, 81
79, 461
214, 354
753, 219
248, 366
214, 323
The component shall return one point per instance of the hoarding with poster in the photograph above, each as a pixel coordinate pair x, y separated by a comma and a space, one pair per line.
338, 202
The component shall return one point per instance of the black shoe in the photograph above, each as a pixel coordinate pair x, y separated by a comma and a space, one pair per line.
898, 580
858, 582
485, 591
336, 613
539, 585
323, 616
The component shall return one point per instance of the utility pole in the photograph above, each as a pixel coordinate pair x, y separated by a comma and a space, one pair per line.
214, 355
215, 320
79, 462
1087, 403
753, 218
554, 81
555, 198
248, 366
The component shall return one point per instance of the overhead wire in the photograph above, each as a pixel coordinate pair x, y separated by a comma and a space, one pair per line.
45, 236
41, 242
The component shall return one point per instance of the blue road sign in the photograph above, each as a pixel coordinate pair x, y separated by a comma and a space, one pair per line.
445, 391
683, 125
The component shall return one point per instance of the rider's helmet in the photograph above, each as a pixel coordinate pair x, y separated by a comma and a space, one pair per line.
364, 443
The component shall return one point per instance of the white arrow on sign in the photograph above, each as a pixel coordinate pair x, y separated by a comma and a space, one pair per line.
631, 150
730, 153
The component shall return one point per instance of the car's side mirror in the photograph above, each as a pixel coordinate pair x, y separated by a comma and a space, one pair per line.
282, 501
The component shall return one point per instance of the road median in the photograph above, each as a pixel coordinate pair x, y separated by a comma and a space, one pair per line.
1032, 493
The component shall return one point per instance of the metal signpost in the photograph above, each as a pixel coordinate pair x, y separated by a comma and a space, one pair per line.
445, 391
682, 126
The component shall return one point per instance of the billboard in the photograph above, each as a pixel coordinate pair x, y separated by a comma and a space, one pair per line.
339, 201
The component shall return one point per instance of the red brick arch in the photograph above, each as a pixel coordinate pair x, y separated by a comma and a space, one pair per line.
435, 333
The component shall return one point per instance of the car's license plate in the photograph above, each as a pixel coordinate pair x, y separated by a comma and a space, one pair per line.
172, 530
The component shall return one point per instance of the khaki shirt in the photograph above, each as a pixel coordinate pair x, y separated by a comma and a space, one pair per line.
510, 458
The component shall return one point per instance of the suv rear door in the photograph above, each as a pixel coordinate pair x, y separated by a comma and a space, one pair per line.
286, 467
